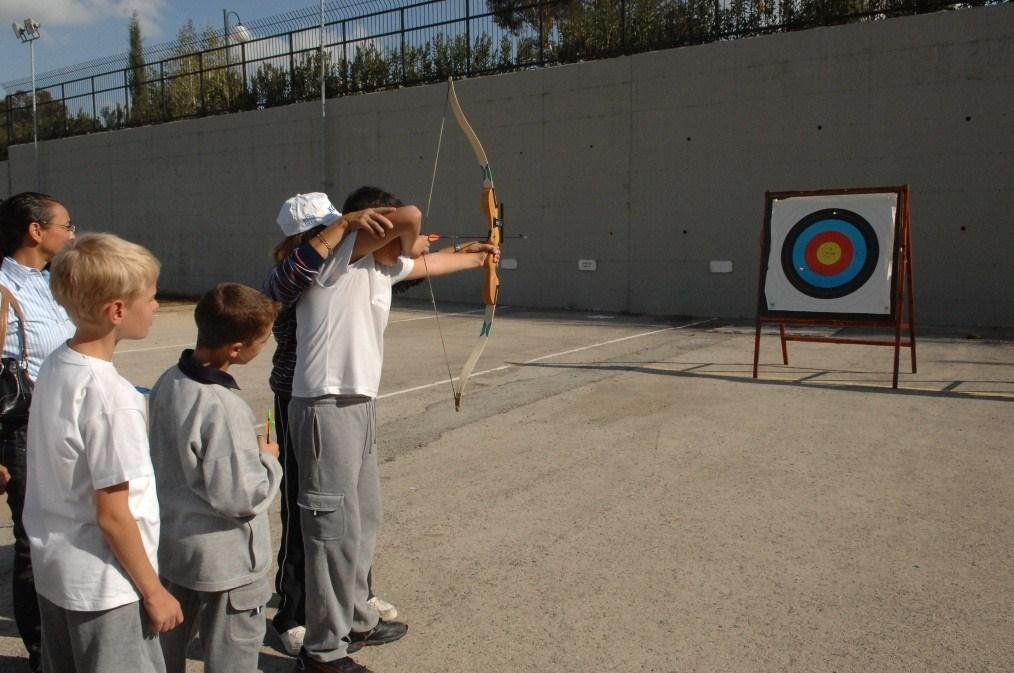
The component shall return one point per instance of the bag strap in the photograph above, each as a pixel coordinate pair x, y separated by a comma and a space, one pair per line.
10, 300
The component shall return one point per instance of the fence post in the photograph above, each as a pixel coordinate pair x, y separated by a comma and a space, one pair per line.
292, 70
345, 61
95, 114
401, 13
623, 26
9, 100
126, 96
63, 99
468, 37
542, 34
200, 76
242, 59
161, 86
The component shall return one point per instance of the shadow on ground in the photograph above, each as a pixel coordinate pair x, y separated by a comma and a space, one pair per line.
839, 379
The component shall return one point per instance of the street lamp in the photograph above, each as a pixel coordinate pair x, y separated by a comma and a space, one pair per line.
241, 34
29, 32
239, 31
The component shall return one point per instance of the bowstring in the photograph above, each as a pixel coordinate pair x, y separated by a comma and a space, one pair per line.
429, 281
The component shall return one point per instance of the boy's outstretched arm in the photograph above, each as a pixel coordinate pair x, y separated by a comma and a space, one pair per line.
407, 221
115, 520
442, 263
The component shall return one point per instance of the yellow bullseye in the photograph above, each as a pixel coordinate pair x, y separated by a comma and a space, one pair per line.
829, 253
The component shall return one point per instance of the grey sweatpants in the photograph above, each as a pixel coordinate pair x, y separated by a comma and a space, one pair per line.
109, 641
231, 625
340, 512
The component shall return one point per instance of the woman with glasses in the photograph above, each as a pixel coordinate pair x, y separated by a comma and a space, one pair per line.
33, 228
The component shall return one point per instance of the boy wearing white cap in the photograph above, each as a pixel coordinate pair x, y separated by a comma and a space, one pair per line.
341, 321
313, 227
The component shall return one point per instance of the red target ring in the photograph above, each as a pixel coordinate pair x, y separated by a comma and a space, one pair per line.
829, 253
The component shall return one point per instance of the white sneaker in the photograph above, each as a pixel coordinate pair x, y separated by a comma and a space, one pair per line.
292, 640
386, 610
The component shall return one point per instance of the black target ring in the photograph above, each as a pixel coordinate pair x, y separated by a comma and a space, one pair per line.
848, 243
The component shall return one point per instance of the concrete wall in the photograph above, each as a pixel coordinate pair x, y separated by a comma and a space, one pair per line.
653, 165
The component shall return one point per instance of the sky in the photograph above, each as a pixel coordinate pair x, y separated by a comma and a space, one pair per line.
74, 31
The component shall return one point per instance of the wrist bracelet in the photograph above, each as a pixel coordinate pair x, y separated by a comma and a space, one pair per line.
324, 243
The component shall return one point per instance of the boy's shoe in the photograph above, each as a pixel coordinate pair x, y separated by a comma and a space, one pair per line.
305, 664
292, 640
384, 632
383, 608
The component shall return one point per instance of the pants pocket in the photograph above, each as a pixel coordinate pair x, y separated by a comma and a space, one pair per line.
246, 611
323, 515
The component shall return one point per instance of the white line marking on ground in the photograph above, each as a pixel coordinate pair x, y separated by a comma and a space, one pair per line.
442, 315
443, 382
122, 351
162, 348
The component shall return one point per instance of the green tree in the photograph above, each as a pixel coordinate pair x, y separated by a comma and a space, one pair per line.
200, 77
221, 83
140, 104
270, 86
54, 119
183, 76
570, 30
306, 76
370, 69
113, 116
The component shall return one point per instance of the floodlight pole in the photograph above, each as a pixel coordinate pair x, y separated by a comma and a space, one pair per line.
323, 108
35, 118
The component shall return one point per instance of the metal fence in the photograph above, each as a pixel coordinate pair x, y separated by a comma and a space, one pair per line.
414, 43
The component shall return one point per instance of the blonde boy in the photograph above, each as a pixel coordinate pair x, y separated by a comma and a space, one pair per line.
91, 510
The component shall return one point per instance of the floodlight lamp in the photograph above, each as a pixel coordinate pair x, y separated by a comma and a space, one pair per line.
27, 32
241, 33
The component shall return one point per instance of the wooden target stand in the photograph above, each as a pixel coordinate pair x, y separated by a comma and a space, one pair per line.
901, 314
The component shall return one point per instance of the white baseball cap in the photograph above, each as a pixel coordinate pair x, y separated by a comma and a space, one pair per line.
303, 212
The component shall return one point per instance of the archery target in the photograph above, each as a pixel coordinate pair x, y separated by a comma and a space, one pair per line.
832, 254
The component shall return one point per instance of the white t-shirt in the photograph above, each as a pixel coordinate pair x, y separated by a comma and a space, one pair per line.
340, 322
87, 430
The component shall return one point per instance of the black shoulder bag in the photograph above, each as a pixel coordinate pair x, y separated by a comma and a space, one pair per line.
15, 384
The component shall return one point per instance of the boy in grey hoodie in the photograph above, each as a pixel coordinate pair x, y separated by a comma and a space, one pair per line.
216, 479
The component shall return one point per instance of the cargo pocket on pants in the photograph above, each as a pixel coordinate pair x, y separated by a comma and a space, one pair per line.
246, 611
323, 515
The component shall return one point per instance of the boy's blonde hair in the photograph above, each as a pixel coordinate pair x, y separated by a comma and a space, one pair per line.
95, 269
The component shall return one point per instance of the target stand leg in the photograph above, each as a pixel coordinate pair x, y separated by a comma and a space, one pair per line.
756, 347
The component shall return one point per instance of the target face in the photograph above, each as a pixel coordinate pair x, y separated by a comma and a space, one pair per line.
831, 254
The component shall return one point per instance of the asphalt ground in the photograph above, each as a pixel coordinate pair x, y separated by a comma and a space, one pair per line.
619, 494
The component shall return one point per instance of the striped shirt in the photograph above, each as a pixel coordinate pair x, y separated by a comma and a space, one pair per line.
286, 284
46, 322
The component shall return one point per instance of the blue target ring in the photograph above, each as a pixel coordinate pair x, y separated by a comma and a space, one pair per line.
805, 270
830, 253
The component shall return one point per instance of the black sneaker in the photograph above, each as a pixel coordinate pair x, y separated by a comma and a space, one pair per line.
384, 632
305, 664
